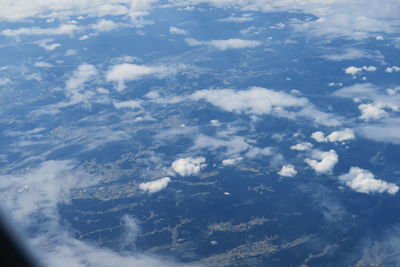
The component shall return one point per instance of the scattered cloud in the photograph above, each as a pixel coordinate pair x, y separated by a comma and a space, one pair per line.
392, 69
363, 181
353, 54
42, 64
231, 161
340, 136
287, 171
188, 166
377, 104
131, 72
64, 29
335, 136
32, 199
132, 104
356, 70
302, 146
238, 19
323, 162
233, 145
48, 44
256, 100
175, 30
225, 44
386, 130
155, 186
104, 25
373, 111
261, 101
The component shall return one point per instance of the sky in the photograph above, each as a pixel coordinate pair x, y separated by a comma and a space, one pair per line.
61, 88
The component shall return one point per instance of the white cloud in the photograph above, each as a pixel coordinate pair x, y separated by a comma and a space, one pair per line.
323, 162
378, 102
335, 136
392, 69
373, 111
42, 64
13, 10
70, 52
215, 123
363, 181
175, 30
131, 72
352, 54
132, 104
318, 136
241, 19
155, 186
302, 146
340, 136
64, 29
40, 190
287, 171
232, 161
356, 70
75, 85
104, 25
31, 200
261, 101
82, 74
256, 100
257, 151
386, 130
188, 166
233, 144
47, 45
225, 44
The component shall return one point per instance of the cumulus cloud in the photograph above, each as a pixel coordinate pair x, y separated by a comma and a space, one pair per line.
155, 186
175, 30
377, 102
131, 72
287, 171
64, 29
392, 69
225, 44
340, 136
261, 101
302, 146
256, 100
232, 161
318, 136
335, 136
323, 162
188, 166
372, 111
356, 70
363, 181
